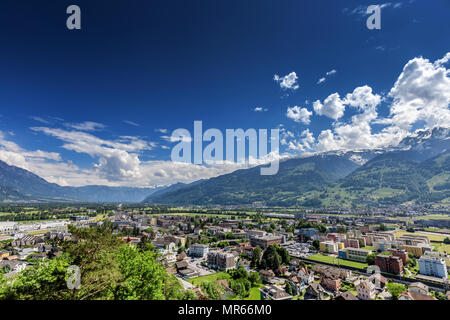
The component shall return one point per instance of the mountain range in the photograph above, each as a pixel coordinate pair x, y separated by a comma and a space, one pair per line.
17, 184
417, 170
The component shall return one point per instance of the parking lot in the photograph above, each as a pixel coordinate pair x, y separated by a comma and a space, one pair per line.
195, 264
298, 249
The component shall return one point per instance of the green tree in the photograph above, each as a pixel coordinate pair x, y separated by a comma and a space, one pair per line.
370, 259
254, 278
395, 289
256, 257
316, 244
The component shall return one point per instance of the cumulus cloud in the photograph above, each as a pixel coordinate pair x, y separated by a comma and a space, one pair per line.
305, 143
288, 81
422, 93
299, 114
332, 107
117, 159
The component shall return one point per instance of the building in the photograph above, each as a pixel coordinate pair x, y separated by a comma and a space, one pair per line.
273, 292
333, 284
221, 260
412, 295
198, 250
401, 254
357, 254
8, 226
419, 287
352, 243
417, 250
266, 275
328, 246
265, 241
389, 264
366, 290
433, 266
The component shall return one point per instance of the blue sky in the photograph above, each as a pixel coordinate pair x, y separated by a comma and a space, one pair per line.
85, 106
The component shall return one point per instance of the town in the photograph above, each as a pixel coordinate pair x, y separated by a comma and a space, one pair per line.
257, 254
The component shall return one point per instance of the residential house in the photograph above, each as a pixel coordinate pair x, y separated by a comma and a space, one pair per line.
273, 292
366, 289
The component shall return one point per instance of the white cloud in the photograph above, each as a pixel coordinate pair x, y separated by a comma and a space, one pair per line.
86, 126
422, 93
331, 72
260, 109
287, 82
39, 119
332, 107
328, 74
117, 159
299, 114
304, 144
131, 123
161, 130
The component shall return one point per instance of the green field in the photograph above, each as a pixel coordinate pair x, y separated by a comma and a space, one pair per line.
254, 293
209, 278
328, 259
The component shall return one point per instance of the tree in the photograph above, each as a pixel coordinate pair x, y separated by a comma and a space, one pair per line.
447, 240
316, 244
254, 278
256, 257
284, 255
382, 227
370, 259
395, 289
211, 290
110, 269
271, 258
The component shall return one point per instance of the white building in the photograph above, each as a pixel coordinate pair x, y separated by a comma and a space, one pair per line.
198, 250
366, 290
6, 227
433, 267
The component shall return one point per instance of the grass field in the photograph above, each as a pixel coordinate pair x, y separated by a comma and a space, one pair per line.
209, 278
328, 259
254, 293
432, 237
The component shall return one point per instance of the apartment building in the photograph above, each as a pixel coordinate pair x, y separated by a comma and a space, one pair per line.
328, 246
221, 260
198, 250
433, 266
265, 241
389, 264
357, 254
